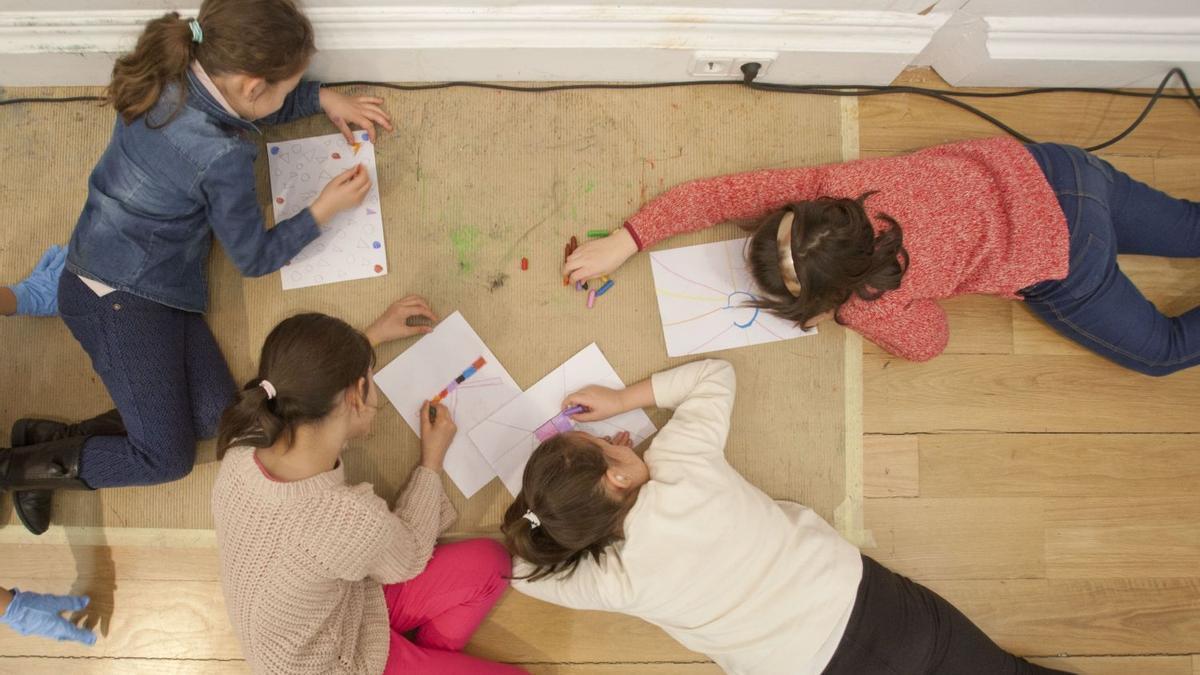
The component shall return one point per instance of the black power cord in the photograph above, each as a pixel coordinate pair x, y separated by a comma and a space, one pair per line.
749, 79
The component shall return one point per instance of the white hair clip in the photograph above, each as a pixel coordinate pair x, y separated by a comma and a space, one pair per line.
269, 388
534, 521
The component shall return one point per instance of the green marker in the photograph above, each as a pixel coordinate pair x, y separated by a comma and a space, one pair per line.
597, 233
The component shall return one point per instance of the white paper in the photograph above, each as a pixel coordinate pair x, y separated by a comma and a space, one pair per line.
425, 368
702, 291
506, 437
351, 245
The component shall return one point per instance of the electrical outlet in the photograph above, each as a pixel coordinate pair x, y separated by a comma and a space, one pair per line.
729, 63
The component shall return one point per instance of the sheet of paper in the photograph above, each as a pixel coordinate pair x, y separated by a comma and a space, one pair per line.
507, 439
351, 245
427, 367
702, 293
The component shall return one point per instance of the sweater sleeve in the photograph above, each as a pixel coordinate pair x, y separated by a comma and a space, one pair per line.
703, 203
227, 188
304, 100
357, 536
702, 394
916, 330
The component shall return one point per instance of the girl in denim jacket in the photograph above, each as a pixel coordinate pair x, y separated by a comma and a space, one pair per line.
178, 169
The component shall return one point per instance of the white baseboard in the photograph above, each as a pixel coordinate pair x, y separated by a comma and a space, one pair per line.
507, 43
1095, 51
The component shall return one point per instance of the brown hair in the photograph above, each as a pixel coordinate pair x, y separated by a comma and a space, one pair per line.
271, 39
836, 252
563, 485
309, 359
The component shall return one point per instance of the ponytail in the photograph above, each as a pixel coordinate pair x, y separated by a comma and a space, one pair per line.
271, 39
161, 57
836, 253
573, 515
309, 360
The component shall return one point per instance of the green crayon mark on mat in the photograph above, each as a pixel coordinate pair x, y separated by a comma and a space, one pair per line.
589, 186
465, 240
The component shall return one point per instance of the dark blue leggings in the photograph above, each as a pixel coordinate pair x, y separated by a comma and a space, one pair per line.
1097, 305
165, 373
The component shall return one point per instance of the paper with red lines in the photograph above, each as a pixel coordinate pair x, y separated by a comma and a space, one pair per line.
351, 244
507, 437
425, 368
702, 293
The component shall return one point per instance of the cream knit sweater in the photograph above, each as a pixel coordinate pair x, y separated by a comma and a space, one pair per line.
303, 563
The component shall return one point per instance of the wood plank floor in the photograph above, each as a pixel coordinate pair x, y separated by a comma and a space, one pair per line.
1052, 496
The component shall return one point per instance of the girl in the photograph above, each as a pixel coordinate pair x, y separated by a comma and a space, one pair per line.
875, 243
681, 540
179, 168
315, 570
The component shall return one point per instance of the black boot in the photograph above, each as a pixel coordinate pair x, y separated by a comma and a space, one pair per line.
33, 472
33, 507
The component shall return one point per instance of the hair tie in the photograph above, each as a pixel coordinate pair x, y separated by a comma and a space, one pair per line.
787, 265
534, 521
269, 388
197, 32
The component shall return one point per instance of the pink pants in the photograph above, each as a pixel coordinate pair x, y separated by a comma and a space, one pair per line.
443, 606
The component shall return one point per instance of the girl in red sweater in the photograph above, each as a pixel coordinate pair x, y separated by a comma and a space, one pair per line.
875, 243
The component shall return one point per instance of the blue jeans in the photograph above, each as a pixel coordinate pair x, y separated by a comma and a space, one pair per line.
1097, 305
165, 373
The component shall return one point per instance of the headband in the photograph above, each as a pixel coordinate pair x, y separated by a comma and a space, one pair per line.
534, 521
197, 33
787, 266
269, 388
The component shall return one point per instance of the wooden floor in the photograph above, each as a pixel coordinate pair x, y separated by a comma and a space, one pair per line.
1052, 496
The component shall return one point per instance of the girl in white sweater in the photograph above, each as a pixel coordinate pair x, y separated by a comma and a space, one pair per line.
681, 540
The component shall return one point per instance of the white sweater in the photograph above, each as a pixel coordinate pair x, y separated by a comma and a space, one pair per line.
760, 586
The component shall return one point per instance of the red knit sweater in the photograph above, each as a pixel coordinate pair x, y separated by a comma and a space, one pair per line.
977, 216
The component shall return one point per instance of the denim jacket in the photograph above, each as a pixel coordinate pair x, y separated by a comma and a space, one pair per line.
157, 195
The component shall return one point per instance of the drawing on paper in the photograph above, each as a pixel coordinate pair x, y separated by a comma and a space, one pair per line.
509, 436
704, 293
424, 369
351, 245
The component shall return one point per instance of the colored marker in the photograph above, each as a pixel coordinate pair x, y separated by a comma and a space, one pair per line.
597, 233
591, 298
471, 370
604, 289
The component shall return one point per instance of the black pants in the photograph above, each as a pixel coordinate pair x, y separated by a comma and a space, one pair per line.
899, 627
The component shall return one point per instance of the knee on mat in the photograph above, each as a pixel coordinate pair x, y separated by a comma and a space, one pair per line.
172, 464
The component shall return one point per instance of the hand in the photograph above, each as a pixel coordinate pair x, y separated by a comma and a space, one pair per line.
600, 256
39, 614
621, 438
393, 323
37, 294
345, 191
436, 435
599, 403
820, 318
360, 111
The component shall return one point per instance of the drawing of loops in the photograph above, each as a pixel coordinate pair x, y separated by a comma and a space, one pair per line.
742, 314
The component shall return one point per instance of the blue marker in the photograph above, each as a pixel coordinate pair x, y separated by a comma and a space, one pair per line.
604, 289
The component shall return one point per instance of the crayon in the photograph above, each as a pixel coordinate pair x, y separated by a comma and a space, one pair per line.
418, 320
597, 233
524, 264
574, 410
591, 298
432, 413
471, 370
604, 289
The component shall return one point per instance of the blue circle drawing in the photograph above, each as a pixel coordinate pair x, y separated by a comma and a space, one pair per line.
729, 305
274, 149
365, 136
376, 244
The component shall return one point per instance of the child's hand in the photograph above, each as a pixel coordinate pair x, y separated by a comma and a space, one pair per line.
600, 256
344, 192
393, 324
360, 111
436, 435
621, 438
599, 403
